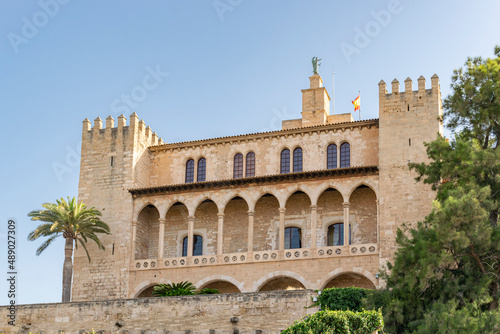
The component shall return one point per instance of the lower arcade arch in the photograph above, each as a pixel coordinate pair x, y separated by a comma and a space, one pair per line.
282, 283
146, 292
350, 280
221, 286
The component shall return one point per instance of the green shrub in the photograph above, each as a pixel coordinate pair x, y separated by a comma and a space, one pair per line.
342, 299
208, 291
338, 322
175, 289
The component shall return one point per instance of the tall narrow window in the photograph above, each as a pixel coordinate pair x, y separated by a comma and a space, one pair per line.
197, 245
297, 160
285, 161
190, 171
345, 155
238, 166
331, 154
250, 168
202, 170
293, 238
336, 235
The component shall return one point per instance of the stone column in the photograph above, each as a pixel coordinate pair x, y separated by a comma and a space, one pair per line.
134, 236
220, 233
251, 216
314, 225
378, 223
161, 237
346, 223
190, 235
282, 229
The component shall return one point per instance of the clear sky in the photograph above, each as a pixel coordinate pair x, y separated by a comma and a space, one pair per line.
234, 67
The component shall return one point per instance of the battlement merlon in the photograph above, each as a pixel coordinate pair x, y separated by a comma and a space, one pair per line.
137, 127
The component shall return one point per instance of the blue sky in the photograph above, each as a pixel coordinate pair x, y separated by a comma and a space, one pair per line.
234, 67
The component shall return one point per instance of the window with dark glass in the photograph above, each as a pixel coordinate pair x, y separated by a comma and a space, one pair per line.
285, 161
197, 245
190, 171
331, 154
297, 160
250, 168
202, 170
345, 155
293, 238
336, 235
238, 166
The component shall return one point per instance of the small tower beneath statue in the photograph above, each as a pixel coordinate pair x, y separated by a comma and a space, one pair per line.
315, 103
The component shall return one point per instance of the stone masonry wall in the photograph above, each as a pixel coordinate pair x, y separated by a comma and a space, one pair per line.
267, 312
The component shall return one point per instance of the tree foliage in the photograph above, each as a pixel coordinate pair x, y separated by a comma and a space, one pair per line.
446, 273
185, 288
342, 299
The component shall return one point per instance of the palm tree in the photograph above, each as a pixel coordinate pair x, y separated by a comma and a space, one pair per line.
76, 223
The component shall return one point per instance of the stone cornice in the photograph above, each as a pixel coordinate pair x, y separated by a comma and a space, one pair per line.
266, 135
266, 179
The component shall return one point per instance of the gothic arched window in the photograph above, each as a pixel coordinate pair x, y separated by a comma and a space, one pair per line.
345, 155
202, 170
250, 167
285, 161
238, 166
331, 156
190, 171
297, 160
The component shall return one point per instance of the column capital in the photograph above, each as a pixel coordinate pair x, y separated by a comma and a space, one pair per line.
190, 218
314, 207
220, 215
162, 220
251, 213
346, 205
134, 222
282, 210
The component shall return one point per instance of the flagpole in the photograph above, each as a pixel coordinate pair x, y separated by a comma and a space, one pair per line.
359, 94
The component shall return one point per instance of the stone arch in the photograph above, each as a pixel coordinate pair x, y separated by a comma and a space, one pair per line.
176, 225
298, 214
144, 286
147, 229
367, 183
321, 190
266, 222
330, 210
257, 286
235, 226
175, 201
210, 280
205, 225
202, 199
340, 271
229, 197
363, 214
142, 204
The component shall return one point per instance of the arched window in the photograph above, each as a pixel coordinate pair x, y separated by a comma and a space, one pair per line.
202, 170
238, 166
336, 235
250, 168
285, 161
297, 160
197, 245
331, 156
190, 171
345, 155
293, 238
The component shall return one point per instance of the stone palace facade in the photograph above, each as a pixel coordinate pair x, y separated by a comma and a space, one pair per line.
314, 205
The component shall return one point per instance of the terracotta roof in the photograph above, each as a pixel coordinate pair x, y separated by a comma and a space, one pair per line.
359, 170
343, 125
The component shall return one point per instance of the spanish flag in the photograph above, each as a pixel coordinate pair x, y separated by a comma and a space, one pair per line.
357, 103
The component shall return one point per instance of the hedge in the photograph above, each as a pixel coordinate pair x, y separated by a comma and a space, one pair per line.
342, 299
338, 322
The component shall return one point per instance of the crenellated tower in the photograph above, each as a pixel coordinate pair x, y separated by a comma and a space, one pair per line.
407, 120
113, 160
